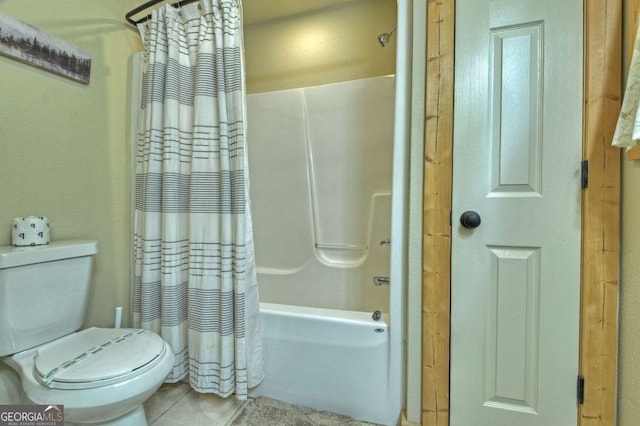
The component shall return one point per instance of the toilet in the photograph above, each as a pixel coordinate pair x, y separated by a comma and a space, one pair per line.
100, 375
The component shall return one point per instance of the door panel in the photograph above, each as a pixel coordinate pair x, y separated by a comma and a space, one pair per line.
512, 328
517, 155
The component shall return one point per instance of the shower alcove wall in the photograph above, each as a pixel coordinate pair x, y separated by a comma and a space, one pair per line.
321, 247
320, 169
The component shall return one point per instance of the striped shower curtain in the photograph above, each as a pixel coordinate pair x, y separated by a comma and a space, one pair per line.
194, 270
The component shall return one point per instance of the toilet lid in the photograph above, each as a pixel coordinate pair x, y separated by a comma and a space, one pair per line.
97, 355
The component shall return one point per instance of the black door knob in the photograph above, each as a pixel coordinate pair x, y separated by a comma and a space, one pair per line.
470, 219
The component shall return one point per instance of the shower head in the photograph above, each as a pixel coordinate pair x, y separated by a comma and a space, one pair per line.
383, 38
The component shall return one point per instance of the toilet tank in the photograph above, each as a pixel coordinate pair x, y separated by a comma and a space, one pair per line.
44, 292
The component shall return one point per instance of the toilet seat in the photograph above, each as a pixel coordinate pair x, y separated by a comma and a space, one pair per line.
97, 357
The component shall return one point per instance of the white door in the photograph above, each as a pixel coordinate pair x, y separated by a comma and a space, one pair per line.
517, 157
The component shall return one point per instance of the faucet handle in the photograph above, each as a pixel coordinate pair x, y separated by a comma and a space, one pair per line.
377, 280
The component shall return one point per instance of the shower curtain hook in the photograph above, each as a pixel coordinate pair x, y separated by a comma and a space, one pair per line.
178, 6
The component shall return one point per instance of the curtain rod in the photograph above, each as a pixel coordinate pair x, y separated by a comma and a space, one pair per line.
148, 5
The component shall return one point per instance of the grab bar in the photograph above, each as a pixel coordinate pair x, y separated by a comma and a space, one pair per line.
381, 280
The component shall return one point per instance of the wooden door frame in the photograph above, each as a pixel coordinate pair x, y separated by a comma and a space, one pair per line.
600, 212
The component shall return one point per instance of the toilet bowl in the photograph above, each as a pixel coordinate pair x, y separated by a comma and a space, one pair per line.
100, 375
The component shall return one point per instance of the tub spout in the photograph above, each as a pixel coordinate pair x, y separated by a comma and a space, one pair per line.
381, 281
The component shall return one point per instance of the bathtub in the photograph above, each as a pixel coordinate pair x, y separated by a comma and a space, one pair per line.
327, 359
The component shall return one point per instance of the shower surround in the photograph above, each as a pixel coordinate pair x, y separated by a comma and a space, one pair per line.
320, 161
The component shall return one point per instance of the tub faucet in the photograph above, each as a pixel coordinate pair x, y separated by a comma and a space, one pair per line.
381, 280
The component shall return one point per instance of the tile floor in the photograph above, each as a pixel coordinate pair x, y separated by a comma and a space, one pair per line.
177, 404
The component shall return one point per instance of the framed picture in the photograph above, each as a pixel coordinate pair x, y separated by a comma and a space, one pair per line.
28, 44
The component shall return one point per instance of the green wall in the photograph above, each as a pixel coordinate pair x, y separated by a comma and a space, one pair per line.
65, 149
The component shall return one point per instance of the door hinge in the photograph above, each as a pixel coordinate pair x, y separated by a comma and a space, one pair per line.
580, 390
584, 175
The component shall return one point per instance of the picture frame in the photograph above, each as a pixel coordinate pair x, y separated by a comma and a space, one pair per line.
28, 44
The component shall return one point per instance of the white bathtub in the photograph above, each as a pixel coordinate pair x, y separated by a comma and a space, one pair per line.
328, 360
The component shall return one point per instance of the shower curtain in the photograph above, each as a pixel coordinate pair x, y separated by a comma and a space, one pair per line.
194, 271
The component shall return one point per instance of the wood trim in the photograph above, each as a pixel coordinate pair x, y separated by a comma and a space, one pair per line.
633, 154
438, 156
600, 211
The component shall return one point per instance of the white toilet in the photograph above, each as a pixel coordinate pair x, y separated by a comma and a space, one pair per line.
100, 375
